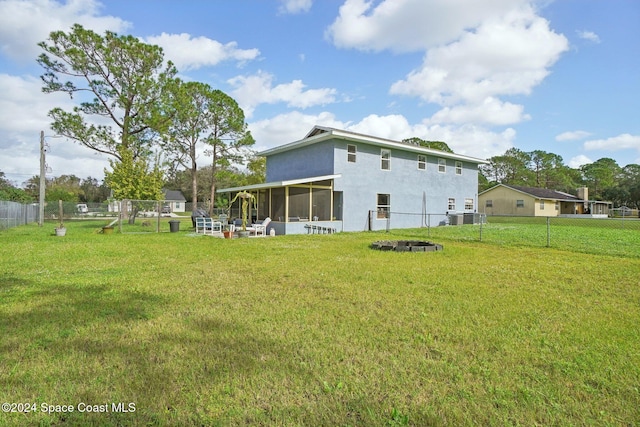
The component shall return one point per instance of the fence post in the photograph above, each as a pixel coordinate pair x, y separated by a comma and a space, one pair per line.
481, 227
548, 231
388, 221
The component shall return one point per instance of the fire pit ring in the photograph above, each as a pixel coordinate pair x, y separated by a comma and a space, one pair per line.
406, 246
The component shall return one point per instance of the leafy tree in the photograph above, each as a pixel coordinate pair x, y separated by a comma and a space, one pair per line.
600, 175
256, 170
510, 168
93, 191
132, 178
4, 182
126, 81
228, 138
12, 194
196, 108
434, 145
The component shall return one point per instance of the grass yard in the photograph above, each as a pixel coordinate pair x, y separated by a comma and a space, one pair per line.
319, 330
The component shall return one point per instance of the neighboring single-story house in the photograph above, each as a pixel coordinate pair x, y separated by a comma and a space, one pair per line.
529, 201
352, 182
175, 199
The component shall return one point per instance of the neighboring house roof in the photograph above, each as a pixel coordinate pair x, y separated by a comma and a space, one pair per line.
174, 195
540, 193
277, 184
321, 133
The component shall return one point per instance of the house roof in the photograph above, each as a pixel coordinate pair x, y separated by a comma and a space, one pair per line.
175, 195
276, 184
540, 193
321, 133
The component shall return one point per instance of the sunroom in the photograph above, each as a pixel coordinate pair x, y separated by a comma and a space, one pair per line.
297, 206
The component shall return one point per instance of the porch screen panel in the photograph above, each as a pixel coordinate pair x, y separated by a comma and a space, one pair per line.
262, 204
321, 202
299, 203
277, 204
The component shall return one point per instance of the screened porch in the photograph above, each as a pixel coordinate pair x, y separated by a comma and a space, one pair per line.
293, 206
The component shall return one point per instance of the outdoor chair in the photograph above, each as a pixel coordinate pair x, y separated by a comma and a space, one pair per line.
208, 226
260, 229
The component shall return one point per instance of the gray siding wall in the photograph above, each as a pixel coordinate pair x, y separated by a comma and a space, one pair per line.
305, 162
404, 182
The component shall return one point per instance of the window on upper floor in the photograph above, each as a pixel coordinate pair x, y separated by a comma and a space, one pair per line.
385, 159
458, 168
351, 153
442, 165
422, 162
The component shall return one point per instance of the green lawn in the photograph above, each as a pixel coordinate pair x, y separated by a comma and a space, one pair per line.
321, 330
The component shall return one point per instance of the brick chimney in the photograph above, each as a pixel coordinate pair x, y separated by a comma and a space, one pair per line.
583, 193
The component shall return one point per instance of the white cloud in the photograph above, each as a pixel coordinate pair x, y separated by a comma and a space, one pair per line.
506, 55
467, 139
24, 114
289, 127
572, 135
410, 25
295, 6
578, 161
620, 142
589, 35
191, 53
491, 111
23, 24
251, 91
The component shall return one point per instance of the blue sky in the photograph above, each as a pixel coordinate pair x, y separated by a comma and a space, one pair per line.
484, 76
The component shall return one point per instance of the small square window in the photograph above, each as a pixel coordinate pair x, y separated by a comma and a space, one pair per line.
519, 203
351, 153
458, 168
442, 165
385, 159
422, 162
488, 203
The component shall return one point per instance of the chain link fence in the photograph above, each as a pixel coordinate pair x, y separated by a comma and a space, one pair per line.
13, 214
616, 235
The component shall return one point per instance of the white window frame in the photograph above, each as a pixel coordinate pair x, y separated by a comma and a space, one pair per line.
541, 205
385, 159
458, 167
468, 204
442, 165
520, 203
451, 204
382, 209
422, 162
351, 155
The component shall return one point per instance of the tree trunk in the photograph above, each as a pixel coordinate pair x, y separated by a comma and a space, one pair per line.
194, 178
213, 182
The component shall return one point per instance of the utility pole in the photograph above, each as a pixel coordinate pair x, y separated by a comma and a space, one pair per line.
42, 181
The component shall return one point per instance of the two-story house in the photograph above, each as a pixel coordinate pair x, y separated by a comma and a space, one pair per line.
354, 182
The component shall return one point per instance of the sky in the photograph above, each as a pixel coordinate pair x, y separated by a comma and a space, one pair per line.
484, 76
